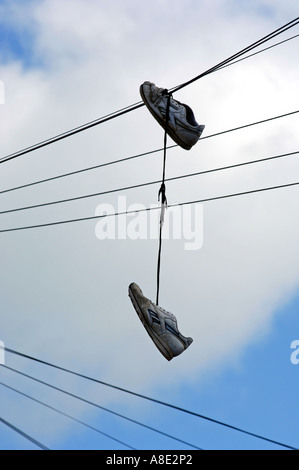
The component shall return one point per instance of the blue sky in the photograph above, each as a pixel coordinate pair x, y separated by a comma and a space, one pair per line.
64, 292
259, 395
16, 40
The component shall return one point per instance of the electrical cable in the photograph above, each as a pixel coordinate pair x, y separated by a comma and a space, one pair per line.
63, 369
100, 407
147, 209
71, 173
222, 64
121, 160
66, 415
261, 41
72, 132
149, 183
137, 105
24, 434
259, 52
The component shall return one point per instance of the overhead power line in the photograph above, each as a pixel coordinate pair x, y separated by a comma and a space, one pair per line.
72, 132
230, 61
142, 185
125, 159
258, 43
88, 402
66, 415
130, 392
117, 214
262, 50
97, 122
24, 434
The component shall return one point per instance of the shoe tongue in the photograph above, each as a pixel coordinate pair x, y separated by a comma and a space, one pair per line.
190, 116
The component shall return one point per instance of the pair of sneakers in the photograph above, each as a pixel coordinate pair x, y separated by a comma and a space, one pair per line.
178, 121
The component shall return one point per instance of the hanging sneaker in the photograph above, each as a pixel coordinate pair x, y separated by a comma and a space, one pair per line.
182, 126
161, 325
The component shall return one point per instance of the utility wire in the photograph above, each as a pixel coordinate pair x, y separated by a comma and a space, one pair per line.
117, 214
128, 109
100, 407
149, 183
259, 52
225, 63
261, 41
121, 160
72, 132
81, 171
63, 369
66, 415
22, 433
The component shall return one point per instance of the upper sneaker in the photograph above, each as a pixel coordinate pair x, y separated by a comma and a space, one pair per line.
182, 126
161, 326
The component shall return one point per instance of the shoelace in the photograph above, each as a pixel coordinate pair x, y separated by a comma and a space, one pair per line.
162, 193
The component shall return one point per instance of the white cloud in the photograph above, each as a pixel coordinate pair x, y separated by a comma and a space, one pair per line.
64, 292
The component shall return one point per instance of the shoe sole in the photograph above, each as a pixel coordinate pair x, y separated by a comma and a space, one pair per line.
167, 353
162, 122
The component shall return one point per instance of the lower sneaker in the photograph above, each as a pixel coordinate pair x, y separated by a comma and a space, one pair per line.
182, 126
161, 326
